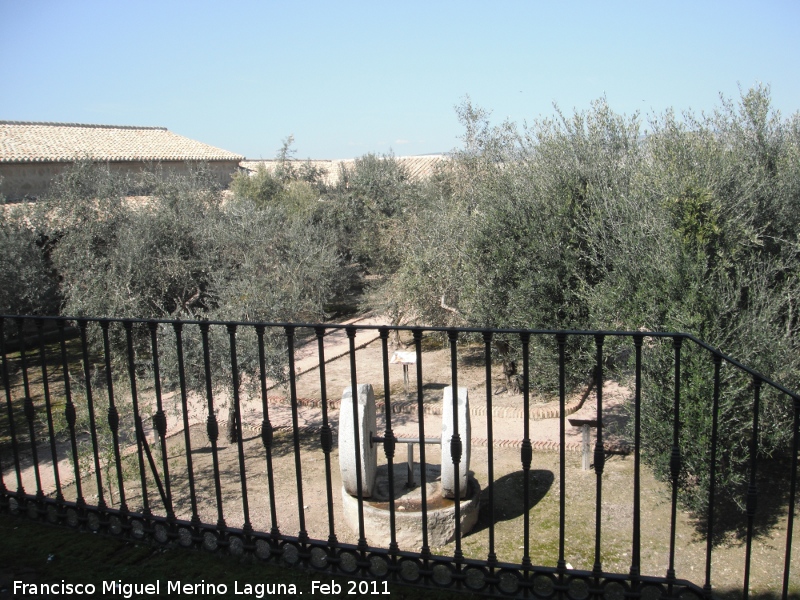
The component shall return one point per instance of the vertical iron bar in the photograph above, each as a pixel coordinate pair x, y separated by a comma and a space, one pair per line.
237, 412
69, 414
362, 539
212, 427
636, 561
792, 492
675, 459
389, 439
526, 452
425, 551
10, 409
160, 419
456, 449
561, 342
87, 375
713, 474
298, 463
48, 408
599, 456
128, 325
266, 432
113, 415
752, 488
178, 327
3, 488
410, 465
487, 351
326, 435
30, 410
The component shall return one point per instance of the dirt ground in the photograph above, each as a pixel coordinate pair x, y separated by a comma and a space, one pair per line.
508, 490
307, 496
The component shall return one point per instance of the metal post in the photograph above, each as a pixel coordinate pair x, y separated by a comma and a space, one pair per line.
410, 484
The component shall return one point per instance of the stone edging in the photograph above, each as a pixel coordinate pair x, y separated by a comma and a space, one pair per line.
540, 445
410, 407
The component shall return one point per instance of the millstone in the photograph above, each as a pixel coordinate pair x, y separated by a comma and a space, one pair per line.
366, 426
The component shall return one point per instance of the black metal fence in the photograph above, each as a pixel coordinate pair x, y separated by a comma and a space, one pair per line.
114, 425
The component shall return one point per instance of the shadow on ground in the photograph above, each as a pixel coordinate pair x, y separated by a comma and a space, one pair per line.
508, 493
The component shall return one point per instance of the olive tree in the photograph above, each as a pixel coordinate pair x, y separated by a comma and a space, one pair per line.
601, 221
186, 252
27, 282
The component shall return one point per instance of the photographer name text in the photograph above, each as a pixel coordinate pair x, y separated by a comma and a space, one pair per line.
120, 589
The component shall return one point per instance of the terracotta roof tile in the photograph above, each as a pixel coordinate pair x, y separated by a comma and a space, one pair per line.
26, 142
421, 167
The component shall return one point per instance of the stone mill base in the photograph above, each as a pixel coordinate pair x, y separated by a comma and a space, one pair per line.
408, 510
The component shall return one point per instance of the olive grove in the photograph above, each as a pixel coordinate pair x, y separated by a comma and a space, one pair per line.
595, 220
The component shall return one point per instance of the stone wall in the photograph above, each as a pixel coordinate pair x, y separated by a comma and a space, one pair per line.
31, 180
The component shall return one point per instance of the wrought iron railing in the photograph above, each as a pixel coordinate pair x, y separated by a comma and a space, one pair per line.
77, 448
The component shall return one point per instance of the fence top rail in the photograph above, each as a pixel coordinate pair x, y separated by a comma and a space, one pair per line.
421, 328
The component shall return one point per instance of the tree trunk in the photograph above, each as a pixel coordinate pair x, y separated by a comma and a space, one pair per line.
232, 425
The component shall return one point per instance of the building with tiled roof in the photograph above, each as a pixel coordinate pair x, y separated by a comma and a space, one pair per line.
32, 154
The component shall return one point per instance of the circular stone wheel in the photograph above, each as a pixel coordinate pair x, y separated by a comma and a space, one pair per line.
366, 427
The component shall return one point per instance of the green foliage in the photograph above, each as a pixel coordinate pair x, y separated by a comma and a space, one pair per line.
295, 189
298, 198
185, 252
370, 209
377, 182
264, 189
261, 188
597, 221
696, 220
27, 283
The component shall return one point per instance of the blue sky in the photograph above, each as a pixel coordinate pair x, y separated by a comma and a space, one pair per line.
347, 78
